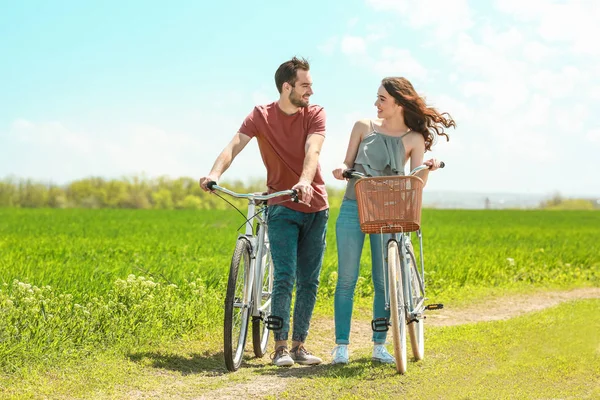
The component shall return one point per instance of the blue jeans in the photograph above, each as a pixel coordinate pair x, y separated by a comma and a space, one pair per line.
297, 246
350, 240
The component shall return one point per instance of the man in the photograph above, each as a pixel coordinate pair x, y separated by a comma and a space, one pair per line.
290, 134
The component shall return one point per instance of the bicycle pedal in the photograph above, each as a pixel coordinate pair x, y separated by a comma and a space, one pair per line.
274, 323
380, 325
434, 306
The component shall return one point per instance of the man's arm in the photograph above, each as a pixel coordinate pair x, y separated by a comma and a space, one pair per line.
312, 150
225, 159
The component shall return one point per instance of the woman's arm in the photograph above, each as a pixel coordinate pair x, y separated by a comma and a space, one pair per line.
357, 135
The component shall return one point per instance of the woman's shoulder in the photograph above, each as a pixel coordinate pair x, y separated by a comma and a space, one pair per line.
363, 123
363, 126
414, 140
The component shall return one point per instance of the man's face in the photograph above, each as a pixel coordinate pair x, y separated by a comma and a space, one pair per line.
302, 89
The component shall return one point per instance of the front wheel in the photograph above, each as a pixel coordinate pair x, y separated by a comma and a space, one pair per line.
416, 328
237, 305
397, 311
260, 333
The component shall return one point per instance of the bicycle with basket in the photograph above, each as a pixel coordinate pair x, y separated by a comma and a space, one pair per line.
392, 205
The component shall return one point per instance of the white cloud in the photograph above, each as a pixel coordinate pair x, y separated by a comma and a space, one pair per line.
536, 52
572, 118
523, 10
328, 47
22, 124
353, 45
444, 18
573, 23
557, 84
51, 134
594, 136
261, 97
395, 61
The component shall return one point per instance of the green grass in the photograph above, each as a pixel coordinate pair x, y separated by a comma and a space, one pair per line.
550, 354
75, 284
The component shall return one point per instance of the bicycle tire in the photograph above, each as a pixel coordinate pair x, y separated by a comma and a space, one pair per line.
397, 310
260, 333
237, 306
416, 328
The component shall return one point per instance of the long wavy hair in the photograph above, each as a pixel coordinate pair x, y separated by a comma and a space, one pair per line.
417, 115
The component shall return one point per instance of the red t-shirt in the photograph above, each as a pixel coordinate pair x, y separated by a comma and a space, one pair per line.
281, 140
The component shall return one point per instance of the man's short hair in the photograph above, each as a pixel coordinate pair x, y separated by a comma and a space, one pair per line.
287, 72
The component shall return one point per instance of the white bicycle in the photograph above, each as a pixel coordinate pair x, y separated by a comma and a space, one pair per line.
250, 282
392, 205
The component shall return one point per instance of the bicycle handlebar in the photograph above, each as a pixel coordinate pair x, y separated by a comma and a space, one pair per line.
351, 173
212, 185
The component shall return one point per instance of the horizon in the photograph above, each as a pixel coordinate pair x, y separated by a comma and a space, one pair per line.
109, 89
256, 180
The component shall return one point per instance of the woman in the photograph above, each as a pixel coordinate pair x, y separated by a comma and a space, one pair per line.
405, 129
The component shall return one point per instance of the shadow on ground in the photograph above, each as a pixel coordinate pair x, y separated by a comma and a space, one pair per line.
363, 367
186, 364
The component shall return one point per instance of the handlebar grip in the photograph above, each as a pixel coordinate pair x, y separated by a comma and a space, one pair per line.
211, 184
348, 173
295, 198
442, 164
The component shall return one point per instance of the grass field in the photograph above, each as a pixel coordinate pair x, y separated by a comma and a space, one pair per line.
77, 284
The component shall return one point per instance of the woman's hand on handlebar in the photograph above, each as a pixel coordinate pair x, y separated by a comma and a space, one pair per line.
338, 172
434, 164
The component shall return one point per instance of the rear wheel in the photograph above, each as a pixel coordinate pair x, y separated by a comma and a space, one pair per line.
397, 311
416, 328
260, 333
237, 305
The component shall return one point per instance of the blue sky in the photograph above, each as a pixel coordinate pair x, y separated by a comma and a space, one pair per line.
116, 88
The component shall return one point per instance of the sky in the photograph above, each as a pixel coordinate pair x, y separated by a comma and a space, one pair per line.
153, 88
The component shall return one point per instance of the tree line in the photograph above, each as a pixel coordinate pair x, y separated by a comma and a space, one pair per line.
127, 192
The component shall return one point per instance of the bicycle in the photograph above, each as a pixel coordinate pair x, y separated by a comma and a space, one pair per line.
392, 205
250, 281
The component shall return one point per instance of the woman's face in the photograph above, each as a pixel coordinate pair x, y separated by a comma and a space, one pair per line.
386, 104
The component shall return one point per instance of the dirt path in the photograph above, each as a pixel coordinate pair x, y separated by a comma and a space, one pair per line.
507, 307
322, 334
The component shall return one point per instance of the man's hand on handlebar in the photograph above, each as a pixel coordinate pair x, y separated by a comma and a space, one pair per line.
205, 180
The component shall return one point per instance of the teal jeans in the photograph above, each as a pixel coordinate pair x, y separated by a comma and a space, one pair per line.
350, 240
297, 247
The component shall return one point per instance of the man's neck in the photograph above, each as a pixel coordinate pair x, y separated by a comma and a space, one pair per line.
287, 107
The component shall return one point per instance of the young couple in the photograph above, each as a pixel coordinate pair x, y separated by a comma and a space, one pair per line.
290, 135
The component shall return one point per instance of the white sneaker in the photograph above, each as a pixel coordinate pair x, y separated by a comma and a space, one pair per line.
381, 354
281, 357
340, 354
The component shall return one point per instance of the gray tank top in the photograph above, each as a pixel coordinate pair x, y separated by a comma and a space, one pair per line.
378, 155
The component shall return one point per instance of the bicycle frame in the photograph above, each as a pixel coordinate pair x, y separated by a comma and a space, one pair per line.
258, 243
414, 312
403, 239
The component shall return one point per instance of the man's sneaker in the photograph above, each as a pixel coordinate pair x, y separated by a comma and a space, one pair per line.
302, 356
281, 357
381, 354
340, 354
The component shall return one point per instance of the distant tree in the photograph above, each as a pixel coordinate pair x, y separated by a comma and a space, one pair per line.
558, 202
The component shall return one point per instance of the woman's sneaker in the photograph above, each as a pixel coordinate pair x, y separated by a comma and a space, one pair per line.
300, 355
340, 354
281, 357
381, 354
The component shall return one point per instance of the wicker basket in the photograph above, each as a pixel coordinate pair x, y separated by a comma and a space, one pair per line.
389, 204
